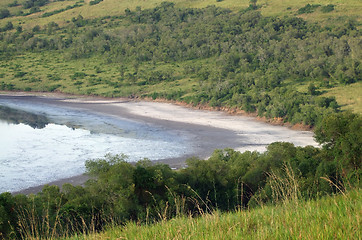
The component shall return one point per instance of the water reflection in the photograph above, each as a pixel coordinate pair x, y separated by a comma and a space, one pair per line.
60, 140
16, 116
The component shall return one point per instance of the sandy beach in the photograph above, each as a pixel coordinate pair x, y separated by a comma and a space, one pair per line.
207, 130
247, 133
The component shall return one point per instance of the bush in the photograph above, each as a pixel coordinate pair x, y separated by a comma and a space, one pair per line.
34, 3
94, 2
308, 8
14, 4
4, 13
80, 75
20, 74
36, 29
8, 26
328, 8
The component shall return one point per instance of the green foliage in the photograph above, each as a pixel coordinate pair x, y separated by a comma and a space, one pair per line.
252, 4
14, 4
77, 75
94, 2
341, 134
79, 21
20, 74
48, 14
7, 27
7, 214
34, 3
19, 29
328, 8
36, 29
308, 8
7, 86
4, 13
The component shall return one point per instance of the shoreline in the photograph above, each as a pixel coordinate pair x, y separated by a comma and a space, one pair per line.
228, 110
208, 130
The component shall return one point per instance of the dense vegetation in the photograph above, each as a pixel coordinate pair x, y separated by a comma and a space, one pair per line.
326, 218
228, 180
275, 67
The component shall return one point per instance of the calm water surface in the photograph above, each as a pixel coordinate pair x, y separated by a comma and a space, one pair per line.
40, 143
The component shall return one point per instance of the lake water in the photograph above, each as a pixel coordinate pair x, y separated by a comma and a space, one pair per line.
40, 143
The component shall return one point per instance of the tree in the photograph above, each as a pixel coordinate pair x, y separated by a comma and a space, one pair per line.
312, 89
8, 217
19, 29
4, 13
341, 135
253, 4
8, 26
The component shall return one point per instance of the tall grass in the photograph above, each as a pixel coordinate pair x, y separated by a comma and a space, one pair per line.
336, 217
289, 217
284, 189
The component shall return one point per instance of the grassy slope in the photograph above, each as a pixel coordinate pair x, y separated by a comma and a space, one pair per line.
349, 97
337, 217
43, 71
116, 7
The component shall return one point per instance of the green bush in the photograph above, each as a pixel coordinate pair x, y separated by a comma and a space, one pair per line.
328, 8
94, 2
20, 74
308, 8
4, 13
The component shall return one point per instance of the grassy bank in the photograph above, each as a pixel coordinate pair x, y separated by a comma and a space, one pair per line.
336, 217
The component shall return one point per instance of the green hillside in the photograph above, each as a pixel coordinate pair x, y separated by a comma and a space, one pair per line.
114, 7
291, 64
337, 217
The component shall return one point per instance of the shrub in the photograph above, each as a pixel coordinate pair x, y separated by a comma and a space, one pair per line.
4, 13
308, 8
36, 29
94, 2
328, 8
8, 26
14, 4
20, 74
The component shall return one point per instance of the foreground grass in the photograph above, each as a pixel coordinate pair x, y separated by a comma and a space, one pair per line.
337, 217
